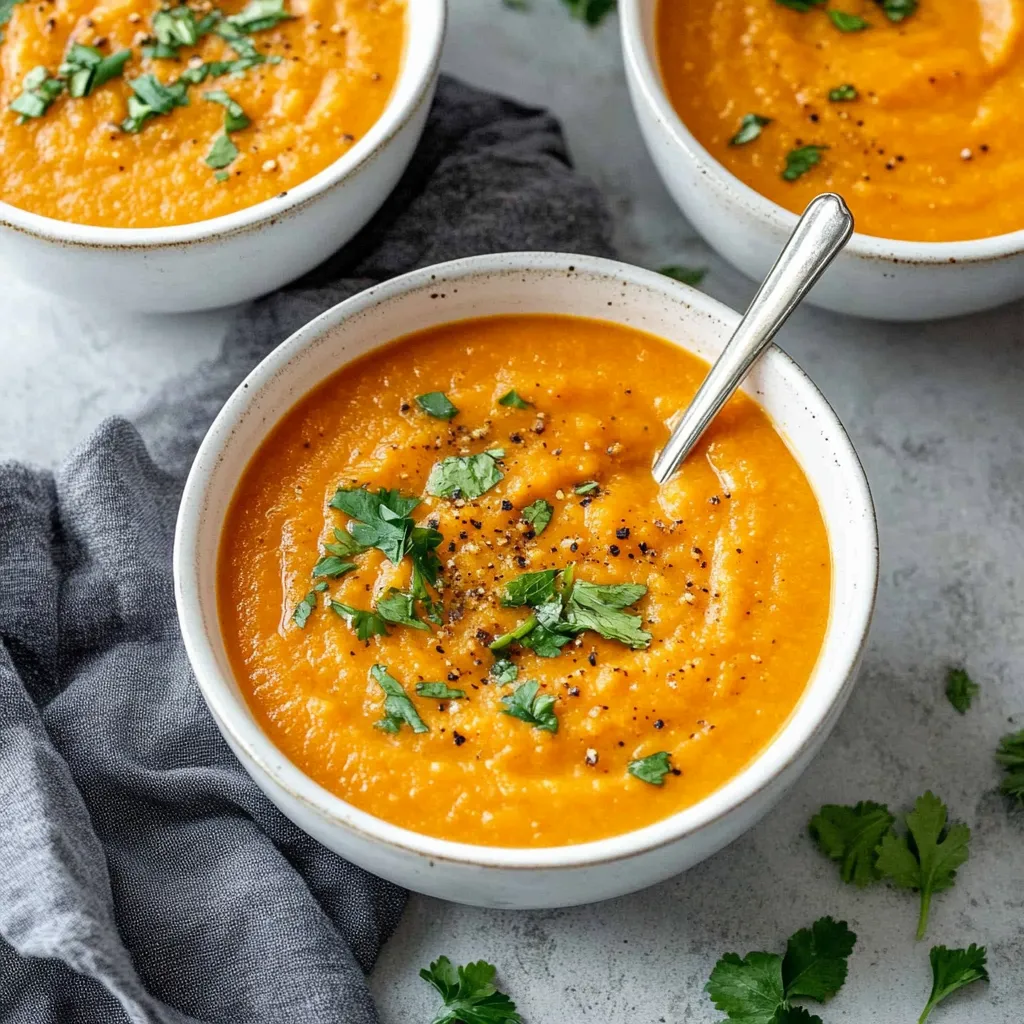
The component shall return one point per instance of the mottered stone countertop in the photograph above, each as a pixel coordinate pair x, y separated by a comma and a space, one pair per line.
937, 414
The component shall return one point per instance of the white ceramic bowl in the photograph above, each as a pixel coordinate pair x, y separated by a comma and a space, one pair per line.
248, 253
526, 283
874, 277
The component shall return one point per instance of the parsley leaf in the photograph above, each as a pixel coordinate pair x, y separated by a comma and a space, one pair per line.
952, 969
382, 519
814, 966
526, 704
504, 671
6, 10
897, 10
364, 624
235, 118
469, 994
85, 68
173, 28
547, 641
587, 487
850, 836
345, 545
750, 129
439, 691
222, 152
332, 566
306, 606
926, 858
437, 404
152, 97
398, 706
960, 689
843, 94
846, 22
599, 607
38, 91
686, 275
538, 515
1011, 756
400, 608
531, 588
465, 476
258, 15
652, 769
800, 161
747, 989
803, 6
514, 400
593, 12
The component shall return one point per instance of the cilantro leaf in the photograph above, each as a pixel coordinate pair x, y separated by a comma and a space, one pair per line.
598, 607
465, 476
38, 91
222, 152
1011, 756
306, 606
364, 624
526, 704
151, 97
795, 1015
686, 275
850, 836
469, 994
439, 691
652, 769
531, 588
748, 989
85, 68
952, 969
843, 94
398, 706
814, 966
504, 671
258, 15
803, 6
382, 519
592, 12
514, 400
897, 10
846, 22
926, 858
175, 27
332, 566
400, 608
961, 689
538, 515
235, 118
587, 487
436, 404
750, 129
6, 11
345, 545
800, 161
524, 627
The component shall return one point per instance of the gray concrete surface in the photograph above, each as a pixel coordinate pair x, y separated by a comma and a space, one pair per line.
937, 415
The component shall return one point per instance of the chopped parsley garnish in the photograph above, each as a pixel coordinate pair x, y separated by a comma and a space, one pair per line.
526, 704
897, 10
952, 969
364, 624
803, 6
222, 152
843, 94
221, 176
514, 400
686, 275
850, 836
750, 129
258, 15
846, 22
652, 768
400, 608
437, 404
345, 545
174, 27
504, 671
927, 856
439, 691
532, 588
38, 91
1011, 756
6, 10
307, 605
469, 994
151, 97
235, 118
592, 12
399, 709
86, 69
382, 519
760, 987
598, 606
961, 689
332, 566
538, 515
587, 487
800, 161
465, 476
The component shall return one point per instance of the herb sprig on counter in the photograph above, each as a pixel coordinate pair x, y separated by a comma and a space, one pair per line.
469, 994
952, 970
850, 836
961, 690
1011, 756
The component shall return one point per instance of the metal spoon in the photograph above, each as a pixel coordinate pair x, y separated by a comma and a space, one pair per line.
819, 236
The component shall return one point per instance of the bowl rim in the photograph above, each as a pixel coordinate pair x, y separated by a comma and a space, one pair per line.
414, 81
647, 77
255, 749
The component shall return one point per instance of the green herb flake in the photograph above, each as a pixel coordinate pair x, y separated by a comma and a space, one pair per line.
465, 476
1010, 755
531, 588
960, 689
587, 487
437, 404
504, 671
927, 856
221, 176
399, 709
332, 566
843, 94
685, 275
6, 11
175, 27
850, 836
400, 608
803, 6
591, 12
897, 10
382, 519
538, 515
364, 624
38, 91
750, 129
222, 152
514, 400
439, 691
598, 606
235, 118
259, 15
86, 69
651, 769
150, 98
800, 161
307, 606
847, 22
952, 970
469, 994
526, 704
344, 545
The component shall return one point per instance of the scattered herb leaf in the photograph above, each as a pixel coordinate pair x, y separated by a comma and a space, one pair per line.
800, 161
814, 966
399, 709
651, 769
382, 519
504, 671
531, 588
803, 6
400, 608
363, 624
538, 515
514, 400
599, 607
85, 68
1011, 756
222, 152
436, 404
235, 118
897, 10
439, 691
587, 487
332, 566
843, 94
686, 275
465, 476
960, 689
952, 969
469, 994
306, 606
592, 12
38, 91
846, 22
175, 27
150, 98
750, 129
526, 704
258, 15
850, 836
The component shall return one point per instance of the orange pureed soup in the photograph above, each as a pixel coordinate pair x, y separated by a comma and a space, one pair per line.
136, 114
561, 652
910, 111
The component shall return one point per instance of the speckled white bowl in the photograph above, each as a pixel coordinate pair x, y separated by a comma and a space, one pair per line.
873, 277
526, 283
244, 254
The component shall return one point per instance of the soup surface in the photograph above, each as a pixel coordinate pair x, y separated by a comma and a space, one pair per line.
702, 606
920, 116
149, 146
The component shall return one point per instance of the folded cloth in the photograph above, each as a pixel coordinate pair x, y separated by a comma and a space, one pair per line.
143, 877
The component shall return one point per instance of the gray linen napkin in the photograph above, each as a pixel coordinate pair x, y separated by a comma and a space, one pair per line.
143, 877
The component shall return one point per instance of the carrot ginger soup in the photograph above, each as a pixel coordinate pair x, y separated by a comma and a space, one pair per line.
454, 596
133, 113
909, 108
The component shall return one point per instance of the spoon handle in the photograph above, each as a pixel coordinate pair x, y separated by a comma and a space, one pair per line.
820, 234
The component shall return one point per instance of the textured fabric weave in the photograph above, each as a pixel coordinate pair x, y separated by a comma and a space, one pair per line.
143, 877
